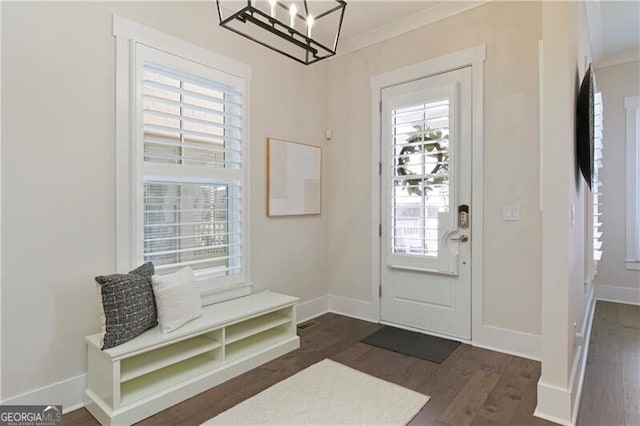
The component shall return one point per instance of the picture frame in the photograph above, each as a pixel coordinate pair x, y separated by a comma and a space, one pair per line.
294, 176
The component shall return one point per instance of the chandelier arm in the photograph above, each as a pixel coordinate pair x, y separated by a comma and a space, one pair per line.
335, 43
290, 56
281, 34
330, 11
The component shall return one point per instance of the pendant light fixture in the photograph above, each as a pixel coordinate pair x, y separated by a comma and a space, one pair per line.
305, 31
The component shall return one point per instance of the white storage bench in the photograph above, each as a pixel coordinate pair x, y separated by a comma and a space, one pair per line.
154, 371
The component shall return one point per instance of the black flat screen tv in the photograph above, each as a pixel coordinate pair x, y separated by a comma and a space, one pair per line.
584, 127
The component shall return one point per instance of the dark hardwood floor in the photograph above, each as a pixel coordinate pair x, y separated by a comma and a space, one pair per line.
611, 390
472, 387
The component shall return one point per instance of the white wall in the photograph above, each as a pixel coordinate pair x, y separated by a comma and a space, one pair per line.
512, 262
58, 168
578, 188
564, 306
615, 82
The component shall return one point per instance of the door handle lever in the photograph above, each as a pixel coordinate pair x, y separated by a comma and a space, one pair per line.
462, 238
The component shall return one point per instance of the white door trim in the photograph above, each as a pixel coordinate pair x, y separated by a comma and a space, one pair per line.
473, 57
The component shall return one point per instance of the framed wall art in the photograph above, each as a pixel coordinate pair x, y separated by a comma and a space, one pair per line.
293, 178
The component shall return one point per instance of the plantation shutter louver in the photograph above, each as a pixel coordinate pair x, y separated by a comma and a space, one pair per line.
193, 168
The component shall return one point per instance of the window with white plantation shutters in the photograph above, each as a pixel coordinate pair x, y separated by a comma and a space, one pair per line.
182, 177
191, 133
597, 185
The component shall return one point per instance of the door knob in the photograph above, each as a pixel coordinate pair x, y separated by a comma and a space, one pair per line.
462, 238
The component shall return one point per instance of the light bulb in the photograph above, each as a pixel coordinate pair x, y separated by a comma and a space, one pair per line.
309, 25
273, 7
293, 10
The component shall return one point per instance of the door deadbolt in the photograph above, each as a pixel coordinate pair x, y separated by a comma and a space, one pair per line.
463, 216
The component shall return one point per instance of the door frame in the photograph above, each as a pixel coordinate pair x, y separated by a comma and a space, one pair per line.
473, 57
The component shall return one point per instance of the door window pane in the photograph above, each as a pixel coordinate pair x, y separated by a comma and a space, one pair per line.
420, 177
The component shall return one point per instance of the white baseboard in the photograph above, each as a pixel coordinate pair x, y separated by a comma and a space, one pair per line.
617, 294
312, 308
512, 342
554, 404
580, 364
353, 308
68, 392
561, 405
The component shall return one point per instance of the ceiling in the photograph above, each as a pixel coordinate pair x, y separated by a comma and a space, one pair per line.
619, 20
614, 25
368, 22
614, 29
362, 17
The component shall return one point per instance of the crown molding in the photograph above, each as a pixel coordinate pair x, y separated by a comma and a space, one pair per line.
424, 17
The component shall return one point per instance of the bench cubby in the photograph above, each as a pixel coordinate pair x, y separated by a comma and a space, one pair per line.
154, 371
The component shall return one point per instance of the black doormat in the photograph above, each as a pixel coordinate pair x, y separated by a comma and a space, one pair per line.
430, 348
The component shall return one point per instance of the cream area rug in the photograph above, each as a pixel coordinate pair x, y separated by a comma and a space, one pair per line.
327, 393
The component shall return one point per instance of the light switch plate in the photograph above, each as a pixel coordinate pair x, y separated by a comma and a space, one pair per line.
511, 212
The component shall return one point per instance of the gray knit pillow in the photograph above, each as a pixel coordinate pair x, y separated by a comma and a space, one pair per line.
128, 305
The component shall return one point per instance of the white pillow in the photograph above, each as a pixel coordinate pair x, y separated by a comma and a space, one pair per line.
177, 299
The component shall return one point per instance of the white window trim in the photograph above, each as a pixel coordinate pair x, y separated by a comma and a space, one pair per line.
632, 107
127, 34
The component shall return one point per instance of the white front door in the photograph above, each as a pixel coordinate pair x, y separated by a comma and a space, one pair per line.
426, 204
